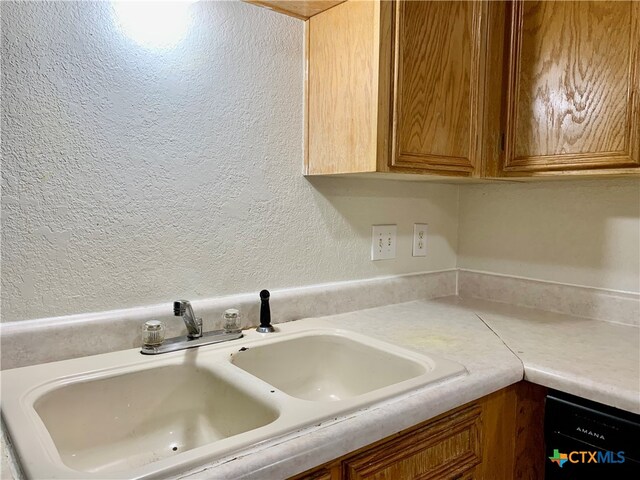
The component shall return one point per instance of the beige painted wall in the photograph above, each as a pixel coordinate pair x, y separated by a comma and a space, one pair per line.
579, 232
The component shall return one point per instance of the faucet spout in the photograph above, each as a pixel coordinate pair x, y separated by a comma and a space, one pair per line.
182, 308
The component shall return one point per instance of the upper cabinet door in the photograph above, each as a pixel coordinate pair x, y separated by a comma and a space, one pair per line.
439, 85
573, 86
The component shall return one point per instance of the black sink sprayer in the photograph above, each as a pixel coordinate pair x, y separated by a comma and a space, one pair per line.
265, 313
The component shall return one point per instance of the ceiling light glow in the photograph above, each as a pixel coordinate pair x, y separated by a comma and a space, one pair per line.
153, 24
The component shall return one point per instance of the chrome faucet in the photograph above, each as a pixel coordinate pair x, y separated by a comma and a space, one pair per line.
182, 308
153, 341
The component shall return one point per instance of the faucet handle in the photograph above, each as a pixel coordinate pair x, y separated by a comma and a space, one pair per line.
153, 333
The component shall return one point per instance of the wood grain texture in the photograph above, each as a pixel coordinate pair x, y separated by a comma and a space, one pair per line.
499, 436
494, 75
445, 448
302, 9
324, 473
572, 99
343, 89
385, 84
568, 172
513, 422
305, 101
498, 422
439, 87
529, 448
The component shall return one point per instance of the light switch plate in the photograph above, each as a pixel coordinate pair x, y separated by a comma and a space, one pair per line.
419, 239
383, 242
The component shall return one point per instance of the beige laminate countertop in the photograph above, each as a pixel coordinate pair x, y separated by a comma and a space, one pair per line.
499, 345
588, 358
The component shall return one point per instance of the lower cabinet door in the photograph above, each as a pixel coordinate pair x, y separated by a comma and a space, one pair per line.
446, 449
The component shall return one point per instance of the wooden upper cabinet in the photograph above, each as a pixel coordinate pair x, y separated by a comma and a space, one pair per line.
396, 86
343, 79
439, 86
474, 88
573, 91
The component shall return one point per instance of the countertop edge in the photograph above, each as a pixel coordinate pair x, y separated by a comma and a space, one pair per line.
319, 445
596, 391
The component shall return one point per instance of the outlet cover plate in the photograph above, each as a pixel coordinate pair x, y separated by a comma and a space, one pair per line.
383, 242
419, 239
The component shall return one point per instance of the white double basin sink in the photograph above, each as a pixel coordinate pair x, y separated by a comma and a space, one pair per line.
125, 415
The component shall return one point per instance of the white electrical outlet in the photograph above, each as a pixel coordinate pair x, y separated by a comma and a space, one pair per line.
383, 242
419, 239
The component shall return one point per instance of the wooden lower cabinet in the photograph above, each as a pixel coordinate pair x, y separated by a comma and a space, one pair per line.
444, 448
497, 437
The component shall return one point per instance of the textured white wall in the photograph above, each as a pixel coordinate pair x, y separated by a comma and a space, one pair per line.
584, 233
133, 176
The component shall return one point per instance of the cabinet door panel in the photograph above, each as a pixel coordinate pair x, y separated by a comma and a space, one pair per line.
572, 99
446, 449
438, 84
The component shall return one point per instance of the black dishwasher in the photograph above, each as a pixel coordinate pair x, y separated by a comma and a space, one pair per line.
588, 440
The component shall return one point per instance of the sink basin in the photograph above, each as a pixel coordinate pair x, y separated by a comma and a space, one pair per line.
126, 421
326, 367
127, 415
